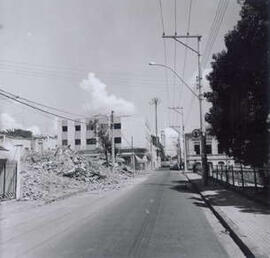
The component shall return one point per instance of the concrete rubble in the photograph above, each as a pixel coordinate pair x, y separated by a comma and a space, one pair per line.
56, 173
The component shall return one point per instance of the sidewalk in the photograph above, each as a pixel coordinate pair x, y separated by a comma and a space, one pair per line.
248, 219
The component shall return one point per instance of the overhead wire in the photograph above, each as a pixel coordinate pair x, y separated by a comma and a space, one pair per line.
33, 73
165, 61
214, 30
161, 16
213, 33
185, 51
22, 113
17, 99
40, 104
174, 62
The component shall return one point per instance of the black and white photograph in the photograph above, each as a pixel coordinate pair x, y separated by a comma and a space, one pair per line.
134, 128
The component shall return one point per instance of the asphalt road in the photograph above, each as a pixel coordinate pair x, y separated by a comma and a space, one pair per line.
157, 218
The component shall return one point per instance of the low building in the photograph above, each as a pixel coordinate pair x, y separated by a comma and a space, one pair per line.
36, 144
215, 155
140, 157
81, 135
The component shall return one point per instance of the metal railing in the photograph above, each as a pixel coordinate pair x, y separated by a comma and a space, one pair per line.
240, 177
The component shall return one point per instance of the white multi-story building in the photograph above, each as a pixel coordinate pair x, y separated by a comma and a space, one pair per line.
81, 135
215, 156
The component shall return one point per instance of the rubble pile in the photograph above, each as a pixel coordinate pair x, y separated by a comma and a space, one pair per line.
55, 173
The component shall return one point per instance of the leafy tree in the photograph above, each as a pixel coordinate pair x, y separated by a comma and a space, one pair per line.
17, 133
240, 87
102, 132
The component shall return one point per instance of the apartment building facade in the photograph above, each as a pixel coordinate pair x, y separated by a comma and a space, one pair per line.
215, 155
81, 135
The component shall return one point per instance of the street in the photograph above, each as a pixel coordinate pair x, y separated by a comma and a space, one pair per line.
158, 217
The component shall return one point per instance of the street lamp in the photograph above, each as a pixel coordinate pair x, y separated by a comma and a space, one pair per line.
177, 75
199, 97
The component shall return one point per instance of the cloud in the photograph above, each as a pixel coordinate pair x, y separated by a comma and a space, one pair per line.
100, 101
8, 122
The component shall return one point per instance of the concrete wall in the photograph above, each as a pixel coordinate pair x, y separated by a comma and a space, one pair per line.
26, 145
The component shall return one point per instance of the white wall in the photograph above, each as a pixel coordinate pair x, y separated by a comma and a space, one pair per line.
214, 158
84, 134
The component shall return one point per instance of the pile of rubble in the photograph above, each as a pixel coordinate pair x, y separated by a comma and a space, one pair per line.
56, 173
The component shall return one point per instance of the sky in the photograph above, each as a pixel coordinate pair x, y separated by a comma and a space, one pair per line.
91, 56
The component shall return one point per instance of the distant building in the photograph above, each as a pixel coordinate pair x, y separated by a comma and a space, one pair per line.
36, 144
140, 157
215, 156
81, 135
154, 146
163, 138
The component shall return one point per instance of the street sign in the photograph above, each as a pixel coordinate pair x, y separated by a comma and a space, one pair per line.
196, 133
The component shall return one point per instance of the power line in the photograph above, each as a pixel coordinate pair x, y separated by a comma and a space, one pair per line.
166, 77
33, 73
175, 17
71, 73
39, 104
161, 16
186, 42
39, 109
165, 57
174, 80
214, 30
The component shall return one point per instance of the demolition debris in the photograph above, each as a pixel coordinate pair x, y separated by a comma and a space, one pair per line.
56, 173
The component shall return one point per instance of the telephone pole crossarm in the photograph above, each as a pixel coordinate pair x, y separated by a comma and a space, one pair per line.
176, 38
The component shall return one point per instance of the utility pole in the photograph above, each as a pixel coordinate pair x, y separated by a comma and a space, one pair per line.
133, 155
155, 101
112, 139
176, 129
202, 132
180, 110
184, 141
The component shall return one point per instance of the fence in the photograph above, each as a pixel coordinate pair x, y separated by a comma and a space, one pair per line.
8, 179
240, 177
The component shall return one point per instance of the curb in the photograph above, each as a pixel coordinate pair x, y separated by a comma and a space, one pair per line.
243, 247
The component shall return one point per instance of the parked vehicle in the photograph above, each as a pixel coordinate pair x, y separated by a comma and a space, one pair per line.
174, 166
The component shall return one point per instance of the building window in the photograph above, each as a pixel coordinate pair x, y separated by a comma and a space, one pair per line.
221, 164
64, 142
77, 141
89, 127
117, 126
77, 128
197, 149
208, 149
91, 141
117, 140
64, 128
220, 151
